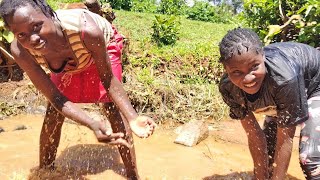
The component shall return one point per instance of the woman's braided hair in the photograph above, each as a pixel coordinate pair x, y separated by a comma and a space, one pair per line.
239, 41
8, 7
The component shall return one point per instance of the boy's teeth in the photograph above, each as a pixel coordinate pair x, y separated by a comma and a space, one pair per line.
40, 45
251, 84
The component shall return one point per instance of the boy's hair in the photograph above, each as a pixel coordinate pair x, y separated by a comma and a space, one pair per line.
8, 8
239, 41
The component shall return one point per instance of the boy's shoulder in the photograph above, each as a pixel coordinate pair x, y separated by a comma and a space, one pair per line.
282, 61
226, 86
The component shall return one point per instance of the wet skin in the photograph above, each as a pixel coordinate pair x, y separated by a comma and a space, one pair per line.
246, 71
34, 31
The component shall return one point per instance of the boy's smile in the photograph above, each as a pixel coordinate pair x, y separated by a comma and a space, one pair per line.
246, 71
34, 30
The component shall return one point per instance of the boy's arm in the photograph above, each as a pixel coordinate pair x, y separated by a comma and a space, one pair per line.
257, 146
283, 152
94, 41
43, 83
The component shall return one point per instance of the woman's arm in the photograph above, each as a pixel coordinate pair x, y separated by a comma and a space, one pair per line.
94, 41
283, 152
44, 84
142, 126
257, 145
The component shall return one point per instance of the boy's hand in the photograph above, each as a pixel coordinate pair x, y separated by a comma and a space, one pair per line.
142, 126
104, 134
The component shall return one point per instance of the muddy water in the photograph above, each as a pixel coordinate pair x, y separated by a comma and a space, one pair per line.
224, 155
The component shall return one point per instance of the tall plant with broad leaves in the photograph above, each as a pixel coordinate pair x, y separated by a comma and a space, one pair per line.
6, 37
148, 6
291, 20
165, 30
203, 11
7, 63
172, 7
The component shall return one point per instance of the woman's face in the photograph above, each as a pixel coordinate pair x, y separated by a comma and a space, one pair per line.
32, 29
246, 71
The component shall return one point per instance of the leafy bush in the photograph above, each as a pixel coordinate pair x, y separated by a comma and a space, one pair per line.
172, 7
165, 30
119, 4
291, 20
5, 35
8, 67
148, 6
225, 14
201, 11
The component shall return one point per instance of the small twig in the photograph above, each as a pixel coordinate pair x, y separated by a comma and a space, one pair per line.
6, 53
211, 155
8, 65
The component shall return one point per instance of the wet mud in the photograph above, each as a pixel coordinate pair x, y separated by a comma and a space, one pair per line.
223, 155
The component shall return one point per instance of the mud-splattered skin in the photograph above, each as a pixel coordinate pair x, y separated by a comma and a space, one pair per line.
42, 33
246, 71
277, 81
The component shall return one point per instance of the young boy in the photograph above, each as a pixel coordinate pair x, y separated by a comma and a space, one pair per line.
282, 82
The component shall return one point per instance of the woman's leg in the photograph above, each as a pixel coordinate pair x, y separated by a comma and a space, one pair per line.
309, 147
119, 124
270, 130
50, 137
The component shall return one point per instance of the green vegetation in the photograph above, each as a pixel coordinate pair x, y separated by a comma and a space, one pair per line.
176, 82
203, 11
165, 30
8, 69
148, 6
291, 20
54, 3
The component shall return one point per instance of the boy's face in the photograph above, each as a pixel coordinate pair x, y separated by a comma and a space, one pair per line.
33, 29
246, 71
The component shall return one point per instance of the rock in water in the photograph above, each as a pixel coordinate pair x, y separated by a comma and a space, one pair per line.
192, 133
1, 130
20, 127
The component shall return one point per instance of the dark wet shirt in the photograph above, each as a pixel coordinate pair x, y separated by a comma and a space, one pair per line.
292, 77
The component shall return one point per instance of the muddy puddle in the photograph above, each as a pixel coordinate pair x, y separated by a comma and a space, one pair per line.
223, 155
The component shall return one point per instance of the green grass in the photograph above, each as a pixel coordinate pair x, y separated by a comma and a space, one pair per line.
174, 82
54, 3
196, 37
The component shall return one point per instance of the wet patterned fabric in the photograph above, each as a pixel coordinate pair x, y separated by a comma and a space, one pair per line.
309, 144
309, 148
292, 77
81, 83
72, 21
86, 86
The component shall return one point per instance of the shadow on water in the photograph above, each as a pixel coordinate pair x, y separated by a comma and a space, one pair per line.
77, 161
240, 176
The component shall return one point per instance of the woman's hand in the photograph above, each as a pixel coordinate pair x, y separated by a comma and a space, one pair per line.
104, 134
142, 126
